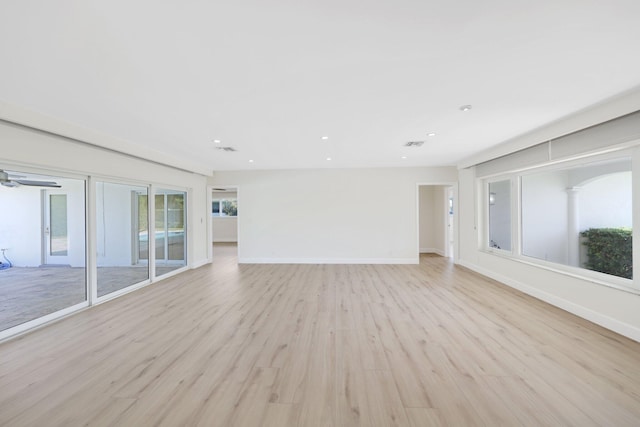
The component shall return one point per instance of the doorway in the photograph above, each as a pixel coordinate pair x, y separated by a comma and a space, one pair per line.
55, 228
436, 205
225, 210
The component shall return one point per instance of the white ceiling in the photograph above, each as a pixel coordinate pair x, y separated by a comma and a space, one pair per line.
270, 78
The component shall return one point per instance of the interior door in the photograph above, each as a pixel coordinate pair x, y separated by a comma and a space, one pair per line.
55, 227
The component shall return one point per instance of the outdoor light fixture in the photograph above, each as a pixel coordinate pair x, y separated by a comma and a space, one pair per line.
492, 198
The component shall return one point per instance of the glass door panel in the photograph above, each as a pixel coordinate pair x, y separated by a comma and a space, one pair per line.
143, 226
170, 230
43, 235
120, 229
58, 235
161, 226
175, 226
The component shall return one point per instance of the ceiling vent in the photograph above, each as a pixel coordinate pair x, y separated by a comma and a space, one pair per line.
414, 144
226, 148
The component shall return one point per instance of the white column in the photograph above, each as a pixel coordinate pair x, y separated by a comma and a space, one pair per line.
573, 226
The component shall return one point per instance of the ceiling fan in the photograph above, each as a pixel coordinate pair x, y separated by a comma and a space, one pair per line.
14, 181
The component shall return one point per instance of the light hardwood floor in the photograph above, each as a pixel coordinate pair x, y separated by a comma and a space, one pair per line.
326, 345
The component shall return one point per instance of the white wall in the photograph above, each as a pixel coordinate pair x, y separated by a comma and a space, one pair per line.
225, 229
610, 307
76, 228
330, 215
35, 150
426, 212
440, 209
21, 225
114, 223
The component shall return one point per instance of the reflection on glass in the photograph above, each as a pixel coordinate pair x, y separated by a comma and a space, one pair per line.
47, 271
58, 238
160, 226
122, 233
175, 226
500, 215
143, 225
581, 216
170, 230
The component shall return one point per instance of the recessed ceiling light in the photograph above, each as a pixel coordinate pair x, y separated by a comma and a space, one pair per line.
250, 161
328, 158
217, 141
431, 134
403, 157
324, 138
465, 108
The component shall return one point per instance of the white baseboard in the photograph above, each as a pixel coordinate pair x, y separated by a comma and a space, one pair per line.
615, 325
432, 251
328, 261
200, 263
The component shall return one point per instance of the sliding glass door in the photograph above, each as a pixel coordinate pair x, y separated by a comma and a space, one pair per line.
42, 242
122, 236
170, 230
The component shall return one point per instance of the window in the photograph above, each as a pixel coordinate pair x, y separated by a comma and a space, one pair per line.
225, 207
580, 216
575, 216
499, 206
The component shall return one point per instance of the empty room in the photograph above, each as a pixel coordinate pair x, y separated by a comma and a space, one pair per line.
319, 213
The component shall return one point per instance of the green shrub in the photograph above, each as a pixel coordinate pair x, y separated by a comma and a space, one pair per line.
609, 251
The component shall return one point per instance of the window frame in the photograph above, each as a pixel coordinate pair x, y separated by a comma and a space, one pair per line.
516, 252
221, 201
487, 218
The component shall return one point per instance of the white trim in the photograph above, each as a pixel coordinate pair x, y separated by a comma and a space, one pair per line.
208, 224
601, 112
587, 275
432, 251
515, 253
170, 273
39, 322
211, 234
43, 123
622, 328
91, 240
200, 263
123, 291
328, 260
456, 219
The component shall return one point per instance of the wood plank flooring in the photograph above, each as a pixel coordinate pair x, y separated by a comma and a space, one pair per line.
321, 345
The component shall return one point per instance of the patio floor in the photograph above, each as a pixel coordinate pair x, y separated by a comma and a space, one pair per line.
27, 293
